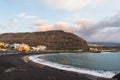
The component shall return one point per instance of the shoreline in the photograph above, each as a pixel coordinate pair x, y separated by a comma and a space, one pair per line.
98, 73
26, 59
15, 66
52, 51
18, 67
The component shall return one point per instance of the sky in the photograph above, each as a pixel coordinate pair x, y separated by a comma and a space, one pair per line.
93, 20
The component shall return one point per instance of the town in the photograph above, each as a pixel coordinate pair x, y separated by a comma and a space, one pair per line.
23, 47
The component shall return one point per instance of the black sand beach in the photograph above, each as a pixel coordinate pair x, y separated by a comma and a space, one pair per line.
15, 67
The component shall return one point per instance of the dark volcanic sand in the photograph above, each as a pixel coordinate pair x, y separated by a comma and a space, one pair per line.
13, 67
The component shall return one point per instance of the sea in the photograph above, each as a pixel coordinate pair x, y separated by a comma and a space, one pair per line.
104, 64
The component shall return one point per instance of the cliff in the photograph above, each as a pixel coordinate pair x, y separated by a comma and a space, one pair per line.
53, 40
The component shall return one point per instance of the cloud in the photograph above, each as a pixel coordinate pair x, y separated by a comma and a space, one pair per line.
67, 4
106, 35
84, 28
62, 26
43, 26
25, 16
83, 24
113, 21
106, 30
2, 26
1, 33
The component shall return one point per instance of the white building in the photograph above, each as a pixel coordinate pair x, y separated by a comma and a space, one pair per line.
39, 48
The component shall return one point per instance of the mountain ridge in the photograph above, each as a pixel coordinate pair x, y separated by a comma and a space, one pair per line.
53, 40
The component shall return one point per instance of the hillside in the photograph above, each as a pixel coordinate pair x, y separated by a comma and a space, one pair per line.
53, 40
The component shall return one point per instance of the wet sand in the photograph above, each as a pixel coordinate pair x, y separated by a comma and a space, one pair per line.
18, 67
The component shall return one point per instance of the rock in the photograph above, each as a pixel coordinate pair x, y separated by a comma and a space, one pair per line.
117, 76
10, 69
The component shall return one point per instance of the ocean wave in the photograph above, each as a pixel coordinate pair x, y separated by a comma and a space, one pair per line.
100, 73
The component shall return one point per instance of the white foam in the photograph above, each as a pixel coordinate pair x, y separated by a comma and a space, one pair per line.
106, 74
